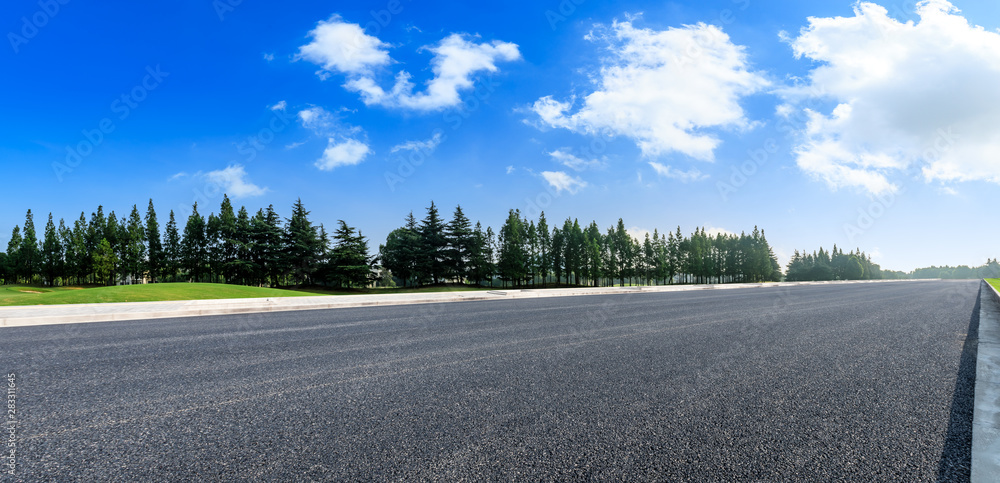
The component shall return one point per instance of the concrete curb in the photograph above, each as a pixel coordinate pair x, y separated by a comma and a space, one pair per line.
986, 412
17, 316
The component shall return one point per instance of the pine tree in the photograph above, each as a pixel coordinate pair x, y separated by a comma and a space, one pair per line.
172, 255
431, 255
302, 245
154, 247
14, 256
194, 246
459, 241
51, 254
350, 260
28, 253
544, 248
134, 246
105, 261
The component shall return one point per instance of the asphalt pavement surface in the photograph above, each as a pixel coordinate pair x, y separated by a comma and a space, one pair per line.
810, 383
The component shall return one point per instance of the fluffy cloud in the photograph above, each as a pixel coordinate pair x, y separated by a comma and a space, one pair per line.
235, 182
563, 182
420, 146
562, 156
342, 149
683, 176
908, 96
340, 47
664, 89
344, 47
280, 106
346, 153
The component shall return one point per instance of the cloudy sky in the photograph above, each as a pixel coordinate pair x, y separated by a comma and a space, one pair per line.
871, 125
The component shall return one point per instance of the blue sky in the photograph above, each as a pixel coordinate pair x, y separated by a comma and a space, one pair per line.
868, 125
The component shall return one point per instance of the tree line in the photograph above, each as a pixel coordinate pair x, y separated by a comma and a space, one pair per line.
528, 253
231, 247
265, 249
991, 269
834, 265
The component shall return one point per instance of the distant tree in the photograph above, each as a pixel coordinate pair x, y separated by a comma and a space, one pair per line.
512, 265
29, 257
154, 247
458, 248
105, 261
52, 253
431, 254
14, 257
544, 248
194, 246
351, 263
134, 246
398, 253
302, 248
172, 251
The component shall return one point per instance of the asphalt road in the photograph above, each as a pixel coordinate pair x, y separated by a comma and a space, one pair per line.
856, 382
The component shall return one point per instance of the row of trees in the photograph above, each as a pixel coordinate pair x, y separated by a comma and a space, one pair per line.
231, 247
524, 252
989, 270
835, 265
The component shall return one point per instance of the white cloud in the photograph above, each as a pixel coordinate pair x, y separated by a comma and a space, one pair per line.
639, 234
316, 119
177, 176
344, 47
510, 169
666, 90
575, 163
563, 182
346, 153
340, 47
909, 96
280, 106
234, 181
268, 56
683, 176
420, 146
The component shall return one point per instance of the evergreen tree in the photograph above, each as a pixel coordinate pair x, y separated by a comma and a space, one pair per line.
513, 258
194, 246
51, 254
459, 240
29, 256
14, 257
154, 247
431, 257
302, 245
544, 248
350, 260
172, 254
134, 247
105, 261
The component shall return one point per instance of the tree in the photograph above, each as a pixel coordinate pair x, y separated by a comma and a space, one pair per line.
302, 245
458, 237
29, 257
350, 260
397, 254
172, 256
544, 248
194, 246
513, 260
105, 262
52, 253
431, 254
154, 247
134, 247
14, 257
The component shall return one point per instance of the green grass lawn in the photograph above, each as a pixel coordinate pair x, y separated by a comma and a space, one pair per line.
995, 282
32, 295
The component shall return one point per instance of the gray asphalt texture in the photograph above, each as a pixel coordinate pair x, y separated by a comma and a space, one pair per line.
813, 383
